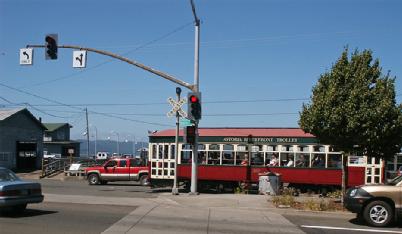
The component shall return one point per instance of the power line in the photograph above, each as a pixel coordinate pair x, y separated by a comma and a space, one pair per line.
77, 108
37, 109
164, 103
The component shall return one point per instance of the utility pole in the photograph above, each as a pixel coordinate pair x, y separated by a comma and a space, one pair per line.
86, 114
194, 165
175, 190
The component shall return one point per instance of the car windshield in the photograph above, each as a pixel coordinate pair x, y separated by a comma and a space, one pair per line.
7, 175
396, 180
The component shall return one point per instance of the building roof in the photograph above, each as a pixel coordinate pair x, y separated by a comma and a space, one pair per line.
8, 113
54, 126
240, 132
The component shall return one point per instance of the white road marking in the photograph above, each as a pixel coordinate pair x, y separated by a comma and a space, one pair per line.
351, 229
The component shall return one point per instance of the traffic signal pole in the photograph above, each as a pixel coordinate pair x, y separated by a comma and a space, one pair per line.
193, 87
127, 60
194, 165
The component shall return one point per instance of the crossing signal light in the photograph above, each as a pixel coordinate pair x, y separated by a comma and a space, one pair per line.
189, 135
51, 46
194, 106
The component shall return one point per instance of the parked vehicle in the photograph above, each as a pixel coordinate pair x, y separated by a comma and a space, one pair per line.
378, 205
102, 155
119, 169
15, 193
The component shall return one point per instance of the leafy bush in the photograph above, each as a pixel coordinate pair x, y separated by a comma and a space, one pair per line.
336, 194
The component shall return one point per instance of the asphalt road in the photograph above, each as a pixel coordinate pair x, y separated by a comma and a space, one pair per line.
50, 218
59, 217
81, 187
331, 223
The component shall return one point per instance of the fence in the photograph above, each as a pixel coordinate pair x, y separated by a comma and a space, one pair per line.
52, 166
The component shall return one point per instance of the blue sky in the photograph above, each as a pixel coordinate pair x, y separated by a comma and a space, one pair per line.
258, 58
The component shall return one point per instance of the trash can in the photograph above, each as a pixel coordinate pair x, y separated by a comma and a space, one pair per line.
263, 185
275, 183
269, 184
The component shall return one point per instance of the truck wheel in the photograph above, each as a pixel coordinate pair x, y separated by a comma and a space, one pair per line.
93, 179
144, 180
378, 213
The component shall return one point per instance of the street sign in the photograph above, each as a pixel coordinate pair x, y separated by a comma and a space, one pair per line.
26, 56
79, 59
176, 107
185, 122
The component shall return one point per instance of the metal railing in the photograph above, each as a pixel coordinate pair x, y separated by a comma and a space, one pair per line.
52, 166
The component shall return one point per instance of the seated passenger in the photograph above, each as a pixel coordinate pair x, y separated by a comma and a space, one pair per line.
290, 163
301, 162
274, 161
317, 162
245, 160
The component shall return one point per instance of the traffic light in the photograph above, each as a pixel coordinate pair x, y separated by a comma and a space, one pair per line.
189, 135
51, 46
194, 106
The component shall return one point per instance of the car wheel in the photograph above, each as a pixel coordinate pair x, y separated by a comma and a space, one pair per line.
378, 213
93, 179
144, 180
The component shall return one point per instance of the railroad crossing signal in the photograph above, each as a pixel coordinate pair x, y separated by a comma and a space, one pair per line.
194, 106
51, 46
176, 107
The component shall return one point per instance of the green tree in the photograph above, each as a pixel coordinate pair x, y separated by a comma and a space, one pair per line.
353, 106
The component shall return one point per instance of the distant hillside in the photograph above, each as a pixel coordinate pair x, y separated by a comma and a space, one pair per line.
109, 146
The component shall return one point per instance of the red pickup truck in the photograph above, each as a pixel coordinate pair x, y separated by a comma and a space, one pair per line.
119, 169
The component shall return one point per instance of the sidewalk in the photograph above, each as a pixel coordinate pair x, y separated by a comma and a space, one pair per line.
204, 213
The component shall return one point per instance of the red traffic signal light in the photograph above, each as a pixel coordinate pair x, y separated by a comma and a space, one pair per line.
194, 106
193, 99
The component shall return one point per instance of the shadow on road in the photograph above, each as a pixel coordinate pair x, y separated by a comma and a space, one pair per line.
120, 184
360, 222
26, 213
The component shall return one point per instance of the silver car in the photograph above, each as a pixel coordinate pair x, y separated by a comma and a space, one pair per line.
15, 193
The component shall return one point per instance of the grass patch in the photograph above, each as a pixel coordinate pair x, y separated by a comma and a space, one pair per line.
287, 199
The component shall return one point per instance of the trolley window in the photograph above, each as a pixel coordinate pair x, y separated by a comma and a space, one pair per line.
241, 154
334, 161
228, 155
186, 154
257, 155
287, 156
202, 158
302, 160
172, 151
154, 151
214, 154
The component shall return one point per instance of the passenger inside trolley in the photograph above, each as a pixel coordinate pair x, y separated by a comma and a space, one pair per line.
290, 162
302, 161
318, 161
274, 161
245, 160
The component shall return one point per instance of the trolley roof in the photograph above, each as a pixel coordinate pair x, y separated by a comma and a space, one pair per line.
240, 132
